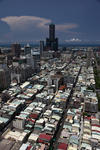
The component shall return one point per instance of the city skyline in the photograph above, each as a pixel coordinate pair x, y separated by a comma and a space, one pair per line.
76, 21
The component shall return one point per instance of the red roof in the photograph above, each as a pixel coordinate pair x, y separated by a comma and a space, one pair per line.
62, 146
95, 131
89, 118
92, 117
96, 125
62, 87
32, 120
29, 147
45, 137
35, 116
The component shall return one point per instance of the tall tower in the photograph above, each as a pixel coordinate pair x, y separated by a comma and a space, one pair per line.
52, 32
52, 42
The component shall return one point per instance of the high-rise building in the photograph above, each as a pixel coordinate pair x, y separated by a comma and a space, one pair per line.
0, 50
52, 32
52, 42
16, 49
3, 61
36, 58
5, 78
41, 47
27, 49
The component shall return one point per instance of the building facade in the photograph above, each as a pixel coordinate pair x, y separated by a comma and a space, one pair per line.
16, 50
52, 42
5, 78
41, 47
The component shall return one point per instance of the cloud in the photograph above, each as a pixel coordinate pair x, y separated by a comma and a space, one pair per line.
32, 27
26, 22
65, 27
74, 40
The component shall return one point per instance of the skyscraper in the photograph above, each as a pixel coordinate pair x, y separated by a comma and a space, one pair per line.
41, 47
5, 76
51, 32
16, 49
52, 42
27, 49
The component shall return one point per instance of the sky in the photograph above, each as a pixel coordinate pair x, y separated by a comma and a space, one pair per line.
28, 20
